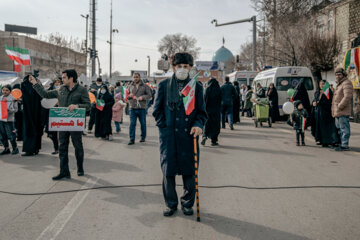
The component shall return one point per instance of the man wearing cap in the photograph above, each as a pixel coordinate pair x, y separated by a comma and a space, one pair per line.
177, 131
341, 107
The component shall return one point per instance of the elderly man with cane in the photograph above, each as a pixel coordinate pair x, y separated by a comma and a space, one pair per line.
180, 115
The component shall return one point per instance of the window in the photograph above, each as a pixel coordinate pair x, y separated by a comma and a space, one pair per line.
284, 83
242, 81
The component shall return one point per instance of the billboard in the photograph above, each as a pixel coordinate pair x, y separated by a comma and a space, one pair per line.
20, 29
209, 65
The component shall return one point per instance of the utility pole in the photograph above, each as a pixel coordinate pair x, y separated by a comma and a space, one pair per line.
86, 41
253, 20
110, 42
93, 44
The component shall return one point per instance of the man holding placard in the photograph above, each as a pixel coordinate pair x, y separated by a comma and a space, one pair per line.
75, 98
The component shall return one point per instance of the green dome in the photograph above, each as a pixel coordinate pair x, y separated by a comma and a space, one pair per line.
222, 55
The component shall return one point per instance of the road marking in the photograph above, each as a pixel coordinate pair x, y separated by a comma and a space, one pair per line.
60, 221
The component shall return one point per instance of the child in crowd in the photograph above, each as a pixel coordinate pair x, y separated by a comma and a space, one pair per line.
298, 119
9, 107
118, 111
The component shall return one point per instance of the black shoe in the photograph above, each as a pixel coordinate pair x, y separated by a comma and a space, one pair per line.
214, 144
303, 144
297, 144
142, 140
340, 149
132, 142
80, 173
27, 154
187, 211
55, 152
15, 151
6, 151
325, 145
203, 141
231, 127
169, 211
61, 176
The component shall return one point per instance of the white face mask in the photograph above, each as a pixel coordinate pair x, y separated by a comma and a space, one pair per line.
103, 91
98, 84
182, 73
57, 87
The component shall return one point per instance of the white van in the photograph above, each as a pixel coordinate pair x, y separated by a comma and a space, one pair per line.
285, 78
243, 77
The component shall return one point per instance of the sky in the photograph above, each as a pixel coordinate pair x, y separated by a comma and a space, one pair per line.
141, 24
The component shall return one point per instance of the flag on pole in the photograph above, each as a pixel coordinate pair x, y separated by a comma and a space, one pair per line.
326, 90
17, 67
125, 92
352, 58
20, 55
100, 104
189, 95
3, 110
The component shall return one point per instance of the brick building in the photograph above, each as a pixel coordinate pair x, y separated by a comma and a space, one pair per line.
50, 59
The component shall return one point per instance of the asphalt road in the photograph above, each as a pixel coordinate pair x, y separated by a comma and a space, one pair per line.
247, 156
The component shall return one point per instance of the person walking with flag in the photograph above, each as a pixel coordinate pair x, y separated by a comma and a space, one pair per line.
298, 118
323, 126
180, 115
138, 92
103, 116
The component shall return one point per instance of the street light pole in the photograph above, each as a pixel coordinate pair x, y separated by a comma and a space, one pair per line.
148, 57
253, 20
86, 41
110, 42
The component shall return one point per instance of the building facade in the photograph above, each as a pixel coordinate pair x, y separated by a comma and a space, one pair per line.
48, 58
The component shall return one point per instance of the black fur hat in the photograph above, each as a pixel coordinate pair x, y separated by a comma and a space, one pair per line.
182, 58
297, 103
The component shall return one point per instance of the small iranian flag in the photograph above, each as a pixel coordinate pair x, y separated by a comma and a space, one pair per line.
125, 92
100, 104
189, 95
20, 55
17, 67
303, 124
326, 90
3, 110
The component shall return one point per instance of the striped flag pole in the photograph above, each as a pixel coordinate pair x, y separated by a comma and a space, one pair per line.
196, 181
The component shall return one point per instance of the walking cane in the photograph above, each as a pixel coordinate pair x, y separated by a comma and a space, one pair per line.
196, 180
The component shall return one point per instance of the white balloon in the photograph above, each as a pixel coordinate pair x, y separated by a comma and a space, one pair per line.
49, 103
288, 107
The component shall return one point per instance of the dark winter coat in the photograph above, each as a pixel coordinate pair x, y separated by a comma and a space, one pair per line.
213, 108
297, 117
248, 103
228, 93
323, 126
176, 143
236, 105
103, 118
274, 104
260, 93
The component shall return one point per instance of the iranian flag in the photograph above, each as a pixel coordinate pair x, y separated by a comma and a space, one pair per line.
303, 124
326, 90
100, 104
17, 67
189, 95
3, 110
352, 58
125, 92
20, 55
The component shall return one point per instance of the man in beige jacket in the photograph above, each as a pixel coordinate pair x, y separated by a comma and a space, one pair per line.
341, 107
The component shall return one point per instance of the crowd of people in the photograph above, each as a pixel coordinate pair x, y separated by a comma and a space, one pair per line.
178, 122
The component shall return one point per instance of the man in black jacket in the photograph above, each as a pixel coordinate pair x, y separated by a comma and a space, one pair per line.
228, 93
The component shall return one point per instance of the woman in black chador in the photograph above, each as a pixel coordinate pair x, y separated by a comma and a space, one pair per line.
103, 118
302, 95
236, 103
323, 126
273, 97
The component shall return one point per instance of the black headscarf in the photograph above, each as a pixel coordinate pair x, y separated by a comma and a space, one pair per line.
213, 87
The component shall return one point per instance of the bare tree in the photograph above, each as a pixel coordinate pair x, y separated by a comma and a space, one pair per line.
173, 43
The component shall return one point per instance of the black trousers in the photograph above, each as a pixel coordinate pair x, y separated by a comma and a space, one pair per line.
92, 117
299, 133
76, 138
54, 138
170, 195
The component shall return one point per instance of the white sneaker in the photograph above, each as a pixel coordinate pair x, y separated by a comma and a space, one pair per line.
111, 137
